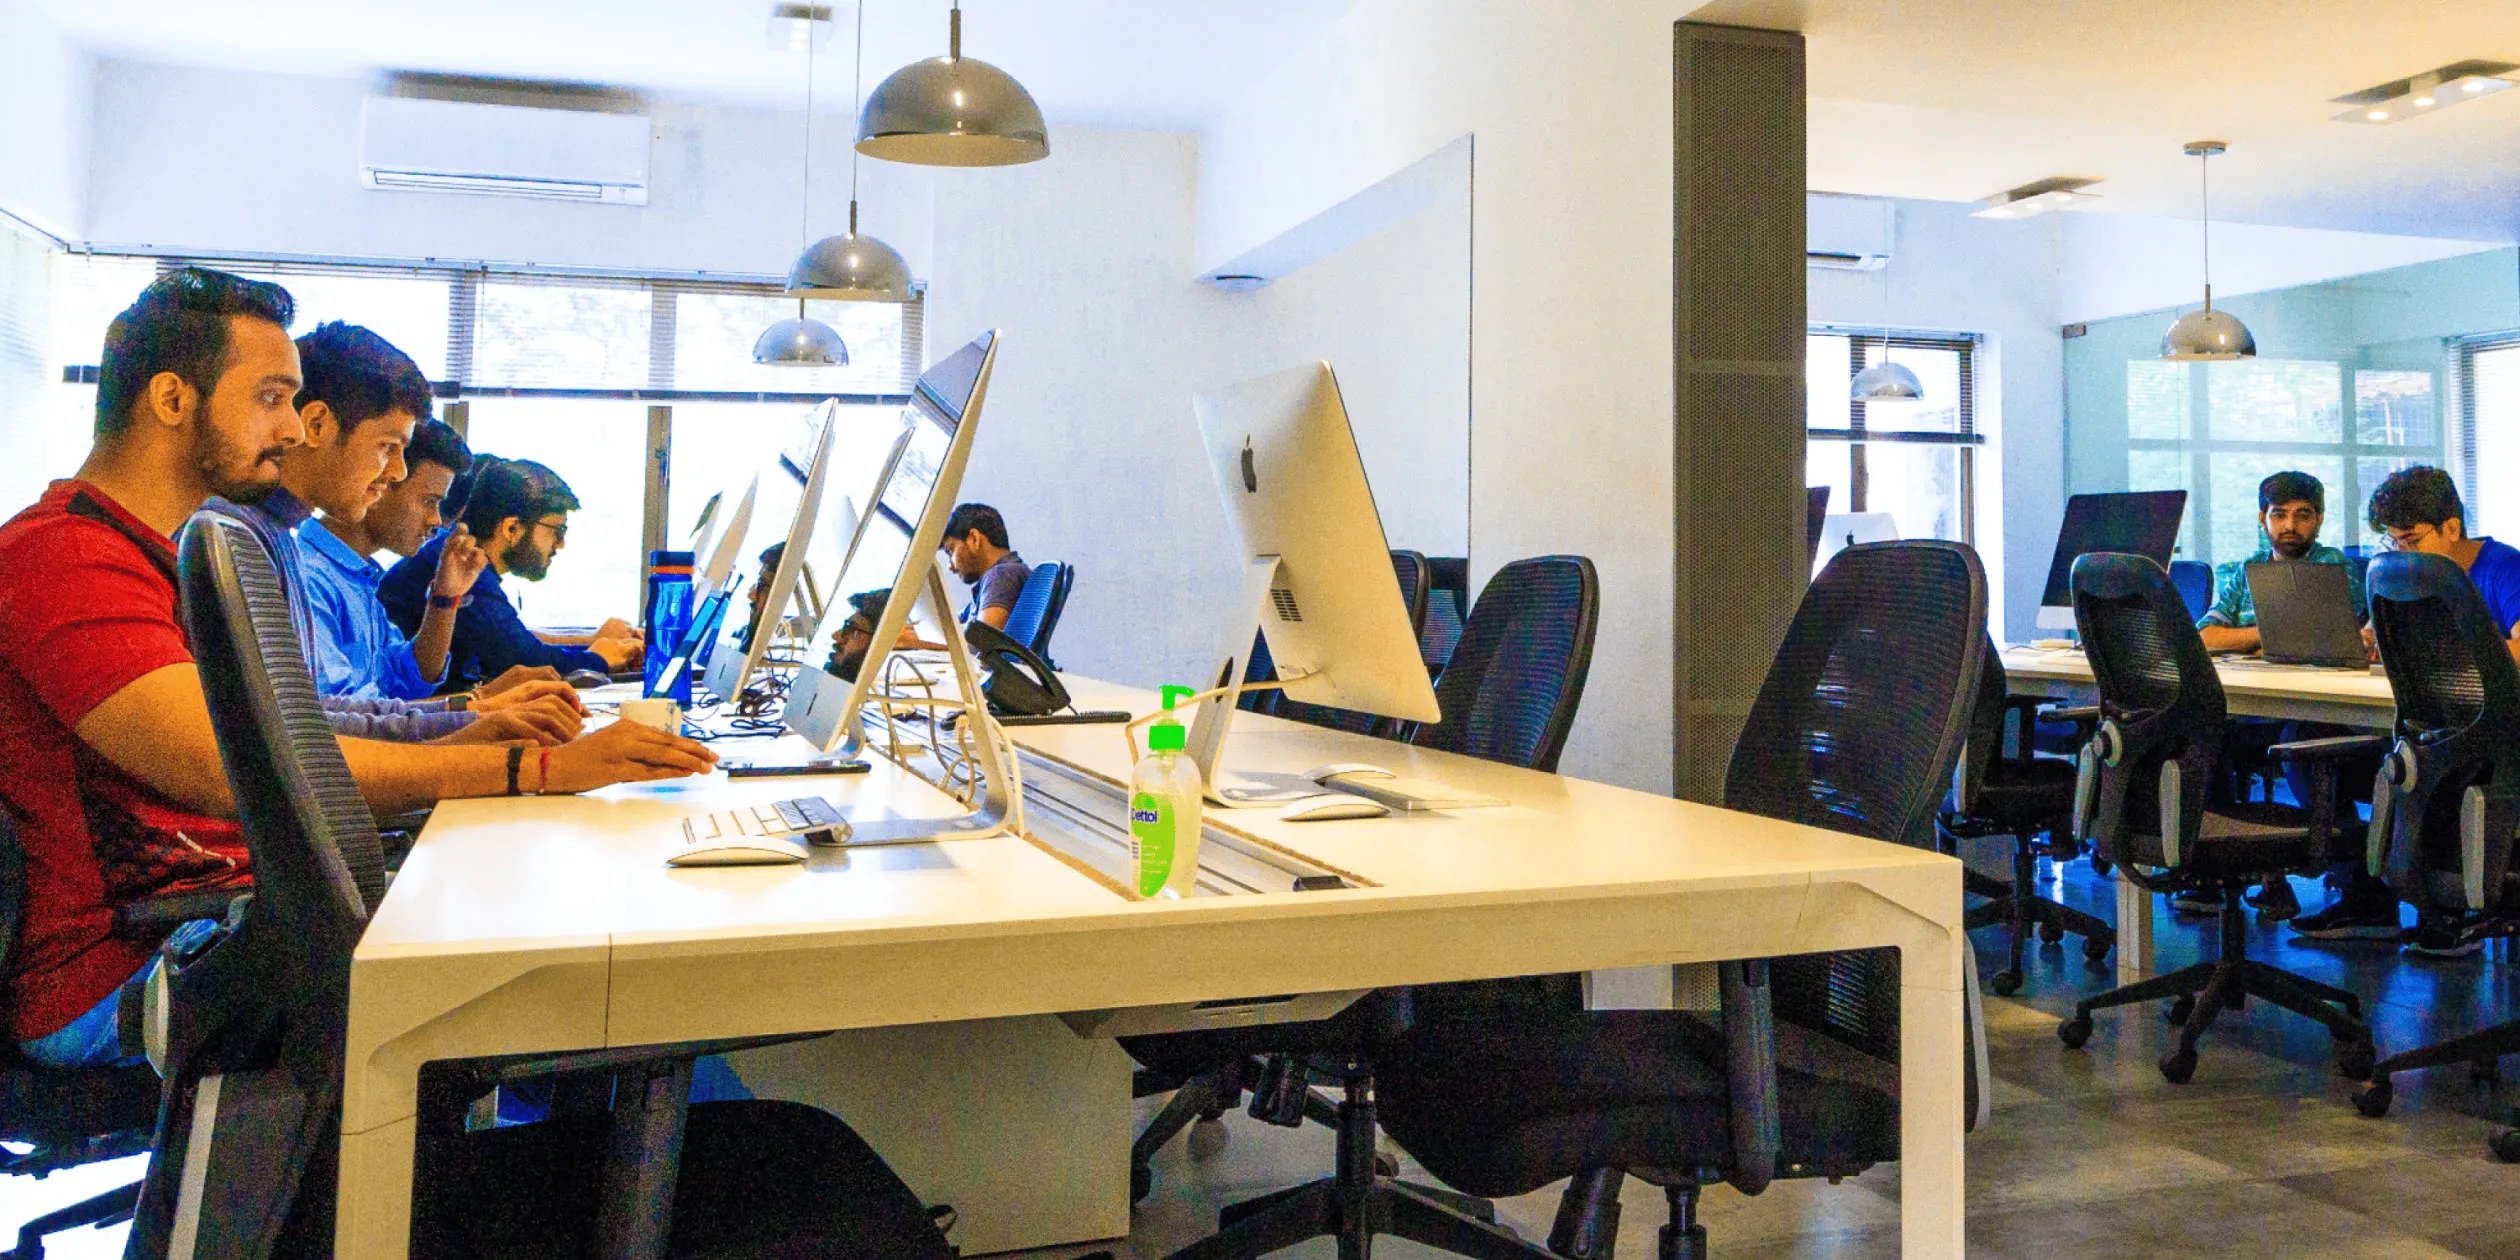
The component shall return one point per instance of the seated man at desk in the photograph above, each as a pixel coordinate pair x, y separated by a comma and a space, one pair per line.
978, 550
108, 764
2291, 508
518, 511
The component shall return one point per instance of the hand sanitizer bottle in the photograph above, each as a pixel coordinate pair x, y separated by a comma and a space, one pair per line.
1164, 804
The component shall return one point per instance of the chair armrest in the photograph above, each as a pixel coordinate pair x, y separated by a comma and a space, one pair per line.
1750, 1069
2080, 714
157, 916
2334, 749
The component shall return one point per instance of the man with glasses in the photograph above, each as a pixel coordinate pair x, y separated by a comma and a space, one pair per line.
518, 511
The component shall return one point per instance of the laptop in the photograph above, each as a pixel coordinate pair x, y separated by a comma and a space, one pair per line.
2305, 614
703, 632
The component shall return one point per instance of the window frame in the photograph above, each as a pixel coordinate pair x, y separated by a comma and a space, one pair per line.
1862, 344
2461, 408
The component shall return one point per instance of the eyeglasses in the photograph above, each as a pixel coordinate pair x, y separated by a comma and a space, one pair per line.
2391, 540
559, 530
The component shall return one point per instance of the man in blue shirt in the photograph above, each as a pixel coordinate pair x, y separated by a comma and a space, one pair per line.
358, 403
519, 512
366, 654
2420, 510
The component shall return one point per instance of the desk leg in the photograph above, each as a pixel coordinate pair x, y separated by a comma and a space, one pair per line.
2134, 930
373, 1218
1933, 1055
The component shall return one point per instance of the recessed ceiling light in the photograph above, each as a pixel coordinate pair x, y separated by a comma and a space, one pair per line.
2426, 92
2059, 192
798, 27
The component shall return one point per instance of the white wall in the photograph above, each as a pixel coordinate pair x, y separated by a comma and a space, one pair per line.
213, 160
2119, 264
1571, 449
46, 85
1952, 273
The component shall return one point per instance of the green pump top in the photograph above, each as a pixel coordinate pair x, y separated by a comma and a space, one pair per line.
1167, 735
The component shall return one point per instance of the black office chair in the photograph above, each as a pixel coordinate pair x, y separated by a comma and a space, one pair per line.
2448, 802
1857, 729
1036, 613
1514, 685
254, 1032
1410, 568
1815, 519
2029, 798
2152, 796
1447, 604
63, 1118
2195, 580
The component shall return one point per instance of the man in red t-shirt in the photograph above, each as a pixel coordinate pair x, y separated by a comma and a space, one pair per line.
108, 765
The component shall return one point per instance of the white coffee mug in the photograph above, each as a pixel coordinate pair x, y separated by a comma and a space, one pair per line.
664, 715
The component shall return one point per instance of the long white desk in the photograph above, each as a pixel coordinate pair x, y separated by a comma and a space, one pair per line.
551, 923
2341, 697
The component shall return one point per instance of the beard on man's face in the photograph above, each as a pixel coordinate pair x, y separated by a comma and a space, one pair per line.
234, 470
2291, 546
527, 561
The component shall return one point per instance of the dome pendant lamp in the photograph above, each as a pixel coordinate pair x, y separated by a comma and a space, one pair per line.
803, 342
2207, 335
1885, 381
852, 268
952, 111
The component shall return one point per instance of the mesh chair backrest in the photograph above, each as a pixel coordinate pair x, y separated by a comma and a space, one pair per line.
2195, 580
1986, 730
1025, 620
1862, 715
2447, 662
1416, 580
1447, 602
2144, 650
1510, 692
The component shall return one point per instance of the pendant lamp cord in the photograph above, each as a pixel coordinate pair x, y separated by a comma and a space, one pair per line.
2205, 228
857, 103
953, 39
805, 202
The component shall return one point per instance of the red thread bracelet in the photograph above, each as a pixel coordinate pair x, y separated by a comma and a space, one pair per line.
545, 785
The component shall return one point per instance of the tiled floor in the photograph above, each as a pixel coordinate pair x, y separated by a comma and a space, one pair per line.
2089, 1153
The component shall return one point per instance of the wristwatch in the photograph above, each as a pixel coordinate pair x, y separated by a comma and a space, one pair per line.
445, 601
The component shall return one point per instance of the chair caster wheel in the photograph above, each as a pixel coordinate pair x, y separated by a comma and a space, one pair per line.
2074, 1032
2179, 1009
2179, 1066
1141, 1184
2505, 1146
1208, 1138
2005, 982
2099, 866
2097, 948
2051, 932
2373, 1099
2354, 1059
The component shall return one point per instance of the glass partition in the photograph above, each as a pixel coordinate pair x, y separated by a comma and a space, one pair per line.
2354, 379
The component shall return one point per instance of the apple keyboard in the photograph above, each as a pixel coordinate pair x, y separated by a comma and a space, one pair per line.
763, 834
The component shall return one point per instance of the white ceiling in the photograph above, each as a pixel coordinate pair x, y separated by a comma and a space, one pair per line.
1160, 64
1959, 99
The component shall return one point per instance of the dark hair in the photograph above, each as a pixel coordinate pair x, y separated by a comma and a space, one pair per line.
980, 516
773, 554
437, 442
513, 487
2292, 487
178, 324
359, 375
459, 491
2422, 495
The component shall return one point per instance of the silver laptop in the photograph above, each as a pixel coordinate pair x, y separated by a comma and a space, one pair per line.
2305, 614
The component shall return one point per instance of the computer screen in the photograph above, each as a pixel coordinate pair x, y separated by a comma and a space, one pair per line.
2141, 522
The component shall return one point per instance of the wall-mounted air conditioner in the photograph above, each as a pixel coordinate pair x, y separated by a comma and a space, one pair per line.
1847, 233
414, 145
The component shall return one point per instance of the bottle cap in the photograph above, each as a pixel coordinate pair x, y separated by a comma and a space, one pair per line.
1174, 692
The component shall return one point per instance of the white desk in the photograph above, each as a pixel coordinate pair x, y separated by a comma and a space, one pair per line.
552, 923
2357, 698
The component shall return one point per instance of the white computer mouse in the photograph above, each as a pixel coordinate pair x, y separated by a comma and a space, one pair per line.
1331, 806
741, 851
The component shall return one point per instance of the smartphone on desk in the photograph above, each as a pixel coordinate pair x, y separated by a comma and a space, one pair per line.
791, 770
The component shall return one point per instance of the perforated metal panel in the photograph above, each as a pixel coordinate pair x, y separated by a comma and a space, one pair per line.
1740, 556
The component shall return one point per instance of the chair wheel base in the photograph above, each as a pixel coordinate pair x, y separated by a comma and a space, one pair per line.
2051, 932
2074, 1032
2354, 1059
2373, 1099
1682, 1244
2179, 1009
2005, 983
2178, 1066
2097, 948
1141, 1184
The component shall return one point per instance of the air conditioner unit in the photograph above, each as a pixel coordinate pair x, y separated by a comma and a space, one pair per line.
1847, 233
413, 145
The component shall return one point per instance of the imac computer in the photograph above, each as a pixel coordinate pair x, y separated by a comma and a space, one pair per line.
1317, 578
923, 476
1841, 530
2142, 522
717, 547
737, 659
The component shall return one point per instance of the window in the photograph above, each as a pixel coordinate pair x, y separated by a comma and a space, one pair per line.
2217, 429
563, 370
1914, 460
2489, 430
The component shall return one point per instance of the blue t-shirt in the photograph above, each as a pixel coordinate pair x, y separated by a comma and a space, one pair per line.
2496, 572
